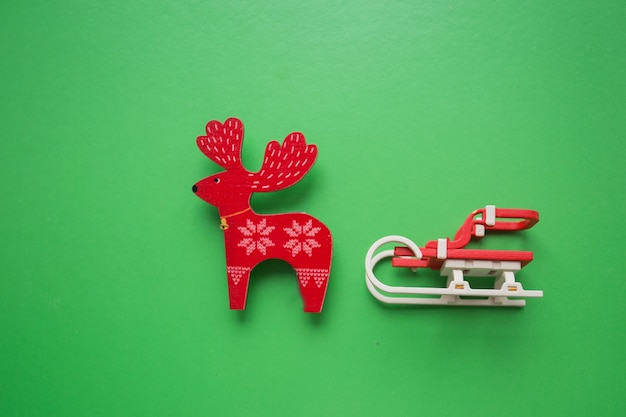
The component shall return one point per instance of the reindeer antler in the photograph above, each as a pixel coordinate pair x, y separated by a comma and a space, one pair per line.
222, 143
284, 165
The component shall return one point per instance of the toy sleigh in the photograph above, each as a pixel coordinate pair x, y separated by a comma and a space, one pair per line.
456, 262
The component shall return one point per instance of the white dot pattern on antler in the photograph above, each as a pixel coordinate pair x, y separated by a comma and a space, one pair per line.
285, 165
223, 142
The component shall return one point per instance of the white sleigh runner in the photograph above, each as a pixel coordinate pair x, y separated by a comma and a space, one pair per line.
456, 263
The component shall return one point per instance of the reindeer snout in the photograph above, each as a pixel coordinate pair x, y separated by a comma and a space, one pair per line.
194, 188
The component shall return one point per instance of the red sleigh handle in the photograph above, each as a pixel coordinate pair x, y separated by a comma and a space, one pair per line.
527, 219
488, 218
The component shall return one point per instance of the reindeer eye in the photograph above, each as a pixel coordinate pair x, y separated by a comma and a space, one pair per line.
216, 180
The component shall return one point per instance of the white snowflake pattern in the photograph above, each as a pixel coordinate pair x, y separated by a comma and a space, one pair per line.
256, 236
302, 238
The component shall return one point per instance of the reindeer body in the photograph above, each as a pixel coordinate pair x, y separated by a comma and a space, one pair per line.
250, 238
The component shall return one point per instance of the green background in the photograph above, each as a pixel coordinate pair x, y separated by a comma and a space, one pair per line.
113, 296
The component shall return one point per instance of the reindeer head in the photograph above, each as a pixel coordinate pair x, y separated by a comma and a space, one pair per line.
230, 190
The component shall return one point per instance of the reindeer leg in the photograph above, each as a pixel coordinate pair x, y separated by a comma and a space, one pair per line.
238, 279
313, 283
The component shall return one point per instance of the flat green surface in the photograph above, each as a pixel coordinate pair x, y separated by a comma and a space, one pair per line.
113, 297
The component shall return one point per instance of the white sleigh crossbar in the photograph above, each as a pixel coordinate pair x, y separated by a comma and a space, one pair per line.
458, 290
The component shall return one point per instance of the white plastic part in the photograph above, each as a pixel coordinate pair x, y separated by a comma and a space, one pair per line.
490, 215
442, 248
457, 287
480, 230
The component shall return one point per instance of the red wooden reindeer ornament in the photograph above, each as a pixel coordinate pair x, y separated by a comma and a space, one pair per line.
250, 238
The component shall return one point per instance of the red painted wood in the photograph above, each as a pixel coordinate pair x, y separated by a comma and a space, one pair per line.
250, 238
455, 248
